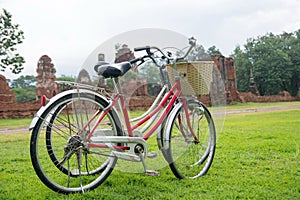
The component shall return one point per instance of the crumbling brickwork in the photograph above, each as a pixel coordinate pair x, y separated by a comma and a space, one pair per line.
227, 71
45, 78
6, 95
136, 89
283, 96
18, 110
9, 108
131, 87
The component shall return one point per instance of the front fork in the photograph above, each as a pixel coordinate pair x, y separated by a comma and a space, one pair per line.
188, 119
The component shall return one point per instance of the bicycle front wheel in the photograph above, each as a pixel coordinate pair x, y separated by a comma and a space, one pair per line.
61, 156
188, 157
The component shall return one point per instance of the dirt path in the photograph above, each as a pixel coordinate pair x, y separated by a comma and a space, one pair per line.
14, 130
266, 109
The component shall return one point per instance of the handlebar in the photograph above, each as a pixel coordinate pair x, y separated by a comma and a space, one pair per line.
192, 43
141, 48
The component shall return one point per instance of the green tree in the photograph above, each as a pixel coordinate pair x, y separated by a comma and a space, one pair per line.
23, 82
198, 53
25, 94
151, 73
10, 37
213, 50
270, 64
66, 78
274, 60
243, 66
292, 47
24, 87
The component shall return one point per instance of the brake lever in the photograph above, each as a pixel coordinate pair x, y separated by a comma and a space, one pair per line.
142, 60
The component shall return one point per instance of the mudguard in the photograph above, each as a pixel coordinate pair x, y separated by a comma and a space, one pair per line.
167, 132
58, 96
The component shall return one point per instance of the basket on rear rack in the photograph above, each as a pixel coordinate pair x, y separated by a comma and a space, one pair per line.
195, 77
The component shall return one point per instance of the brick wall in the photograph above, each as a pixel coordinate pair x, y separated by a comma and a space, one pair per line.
6, 96
18, 110
283, 96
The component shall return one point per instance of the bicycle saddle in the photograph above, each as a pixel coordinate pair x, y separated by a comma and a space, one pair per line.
112, 70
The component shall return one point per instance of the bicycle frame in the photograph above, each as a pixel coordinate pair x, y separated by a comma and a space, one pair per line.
173, 94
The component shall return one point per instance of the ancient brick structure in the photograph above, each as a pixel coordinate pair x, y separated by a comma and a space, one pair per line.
124, 54
45, 78
6, 96
9, 108
281, 97
134, 87
227, 71
19, 110
84, 77
223, 80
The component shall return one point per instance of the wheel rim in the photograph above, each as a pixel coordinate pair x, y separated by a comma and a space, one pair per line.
190, 159
84, 168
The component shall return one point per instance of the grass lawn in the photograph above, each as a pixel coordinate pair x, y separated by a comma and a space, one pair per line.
257, 157
15, 123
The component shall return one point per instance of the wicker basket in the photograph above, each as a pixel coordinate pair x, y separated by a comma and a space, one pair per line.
195, 77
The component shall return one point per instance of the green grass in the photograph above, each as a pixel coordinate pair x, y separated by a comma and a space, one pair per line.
15, 123
257, 157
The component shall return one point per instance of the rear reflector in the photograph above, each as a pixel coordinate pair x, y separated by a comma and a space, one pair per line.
43, 100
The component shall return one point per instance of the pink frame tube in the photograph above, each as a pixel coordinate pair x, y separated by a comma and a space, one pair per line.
176, 88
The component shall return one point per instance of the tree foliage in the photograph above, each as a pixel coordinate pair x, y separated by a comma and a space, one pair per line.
10, 37
25, 94
66, 78
213, 50
151, 73
24, 88
23, 82
274, 61
199, 52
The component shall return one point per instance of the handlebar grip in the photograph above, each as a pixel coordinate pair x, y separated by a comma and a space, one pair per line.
141, 48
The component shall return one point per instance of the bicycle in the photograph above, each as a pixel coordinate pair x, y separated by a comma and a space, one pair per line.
77, 137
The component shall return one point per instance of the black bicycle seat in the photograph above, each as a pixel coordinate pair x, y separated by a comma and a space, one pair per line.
112, 70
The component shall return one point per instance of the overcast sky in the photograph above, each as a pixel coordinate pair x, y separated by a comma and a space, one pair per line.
69, 30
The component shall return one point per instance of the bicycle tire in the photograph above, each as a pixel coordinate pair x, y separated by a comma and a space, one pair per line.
188, 158
55, 134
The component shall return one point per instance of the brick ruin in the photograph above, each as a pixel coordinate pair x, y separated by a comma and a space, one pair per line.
9, 108
227, 71
224, 65
6, 96
136, 89
84, 77
46, 78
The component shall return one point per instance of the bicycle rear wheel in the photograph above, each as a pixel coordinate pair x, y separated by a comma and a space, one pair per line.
60, 155
188, 158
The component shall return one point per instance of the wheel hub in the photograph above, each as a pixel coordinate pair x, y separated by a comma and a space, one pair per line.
74, 143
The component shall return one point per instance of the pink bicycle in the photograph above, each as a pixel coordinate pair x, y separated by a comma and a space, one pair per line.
77, 137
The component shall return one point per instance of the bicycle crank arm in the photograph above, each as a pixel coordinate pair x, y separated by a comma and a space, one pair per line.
127, 156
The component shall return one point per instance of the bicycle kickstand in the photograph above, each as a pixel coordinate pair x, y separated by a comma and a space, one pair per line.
147, 172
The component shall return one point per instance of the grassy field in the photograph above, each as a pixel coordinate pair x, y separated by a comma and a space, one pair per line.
257, 157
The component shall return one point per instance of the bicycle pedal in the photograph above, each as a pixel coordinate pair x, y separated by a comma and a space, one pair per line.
152, 154
152, 173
